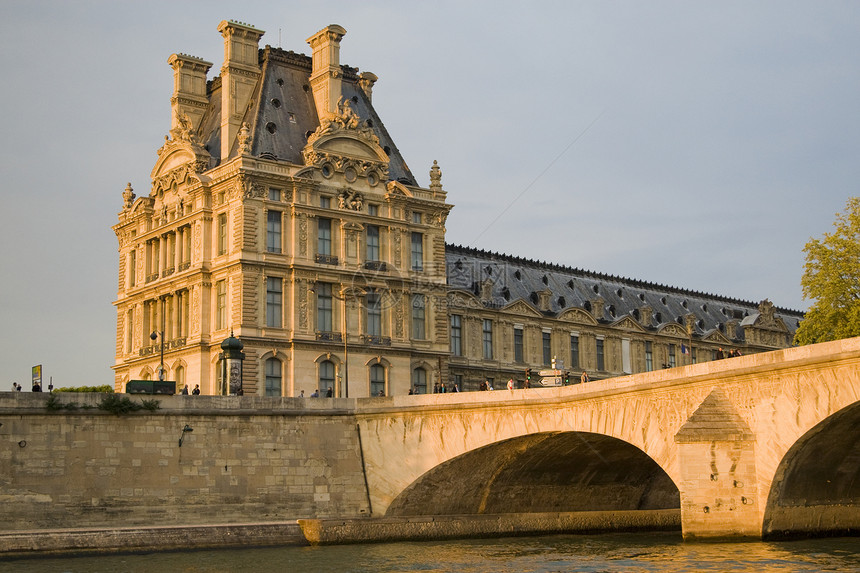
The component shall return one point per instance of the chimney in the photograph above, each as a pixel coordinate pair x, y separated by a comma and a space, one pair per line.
189, 89
239, 75
326, 73
365, 82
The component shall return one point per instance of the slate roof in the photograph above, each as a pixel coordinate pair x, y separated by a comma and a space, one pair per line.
283, 113
515, 279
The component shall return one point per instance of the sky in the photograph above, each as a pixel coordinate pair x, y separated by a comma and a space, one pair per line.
689, 144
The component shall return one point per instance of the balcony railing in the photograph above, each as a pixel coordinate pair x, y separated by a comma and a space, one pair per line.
324, 336
168, 271
168, 344
326, 259
376, 340
184, 266
376, 266
152, 277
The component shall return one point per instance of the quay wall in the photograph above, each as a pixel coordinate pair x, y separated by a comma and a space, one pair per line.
245, 460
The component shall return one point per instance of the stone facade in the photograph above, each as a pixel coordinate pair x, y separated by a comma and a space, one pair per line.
280, 210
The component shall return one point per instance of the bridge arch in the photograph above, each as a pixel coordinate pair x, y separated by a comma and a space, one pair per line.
538, 473
816, 486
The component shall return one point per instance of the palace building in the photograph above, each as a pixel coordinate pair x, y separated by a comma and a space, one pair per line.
282, 214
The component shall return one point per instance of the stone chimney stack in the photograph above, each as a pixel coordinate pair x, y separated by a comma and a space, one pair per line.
189, 89
326, 72
239, 75
365, 82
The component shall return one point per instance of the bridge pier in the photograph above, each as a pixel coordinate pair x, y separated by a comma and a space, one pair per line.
719, 491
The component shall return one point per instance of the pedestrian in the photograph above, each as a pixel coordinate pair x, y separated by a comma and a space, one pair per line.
456, 388
584, 378
18, 388
37, 387
302, 394
511, 384
196, 390
444, 388
184, 391
328, 393
316, 393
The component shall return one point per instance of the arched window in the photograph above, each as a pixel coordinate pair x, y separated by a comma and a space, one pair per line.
419, 381
377, 380
273, 377
179, 374
326, 377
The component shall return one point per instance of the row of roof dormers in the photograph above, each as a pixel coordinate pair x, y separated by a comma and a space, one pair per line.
500, 280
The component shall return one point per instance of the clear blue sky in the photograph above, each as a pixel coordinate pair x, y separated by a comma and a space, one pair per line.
698, 145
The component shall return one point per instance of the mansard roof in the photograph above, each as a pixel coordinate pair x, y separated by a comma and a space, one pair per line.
282, 114
513, 278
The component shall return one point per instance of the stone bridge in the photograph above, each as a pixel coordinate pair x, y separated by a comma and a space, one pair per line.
756, 446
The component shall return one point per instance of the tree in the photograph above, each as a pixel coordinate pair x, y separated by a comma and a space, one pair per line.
831, 277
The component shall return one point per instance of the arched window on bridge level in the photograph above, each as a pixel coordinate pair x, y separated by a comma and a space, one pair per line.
419, 380
273, 377
326, 377
377, 380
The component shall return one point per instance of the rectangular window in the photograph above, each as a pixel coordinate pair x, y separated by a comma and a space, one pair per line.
574, 351
693, 357
129, 331
601, 365
373, 303
518, 344
456, 335
274, 298
488, 339
132, 267
274, 194
418, 310
324, 236
325, 202
273, 232
546, 339
416, 217
417, 252
373, 210
372, 243
273, 377
671, 356
222, 233
220, 305
324, 307
649, 357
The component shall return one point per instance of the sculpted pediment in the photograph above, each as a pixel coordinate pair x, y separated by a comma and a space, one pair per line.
461, 300
396, 190
344, 144
578, 315
178, 161
716, 337
627, 323
522, 308
673, 329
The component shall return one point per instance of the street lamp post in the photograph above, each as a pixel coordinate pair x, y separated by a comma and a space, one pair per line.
154, 336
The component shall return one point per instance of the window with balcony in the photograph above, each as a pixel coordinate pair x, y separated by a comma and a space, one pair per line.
373, 308
220, 305
222, 233
518, 344
418, 317
601, 364
324, 307
372, 252
456, 335
273, 232
574, 351
274, 301
546, 343
649, 357
487, 332
417, 252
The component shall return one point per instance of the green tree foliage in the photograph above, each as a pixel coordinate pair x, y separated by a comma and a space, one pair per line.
831, 278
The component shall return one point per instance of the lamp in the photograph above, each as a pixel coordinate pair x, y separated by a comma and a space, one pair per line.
187, 428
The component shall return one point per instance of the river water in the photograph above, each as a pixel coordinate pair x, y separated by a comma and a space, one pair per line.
615, 552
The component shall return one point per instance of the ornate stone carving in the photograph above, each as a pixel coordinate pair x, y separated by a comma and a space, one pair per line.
195, 310
196, 240
302, 290
250, 187
765, 308
435, 178
303, 234
128, 197
244, 139
350, 199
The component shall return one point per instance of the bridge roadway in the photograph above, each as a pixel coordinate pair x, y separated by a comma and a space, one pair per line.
755, 446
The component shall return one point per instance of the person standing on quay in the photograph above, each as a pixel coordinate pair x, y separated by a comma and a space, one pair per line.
584, 378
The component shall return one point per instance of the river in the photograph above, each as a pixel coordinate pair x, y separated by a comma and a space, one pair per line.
605, 553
